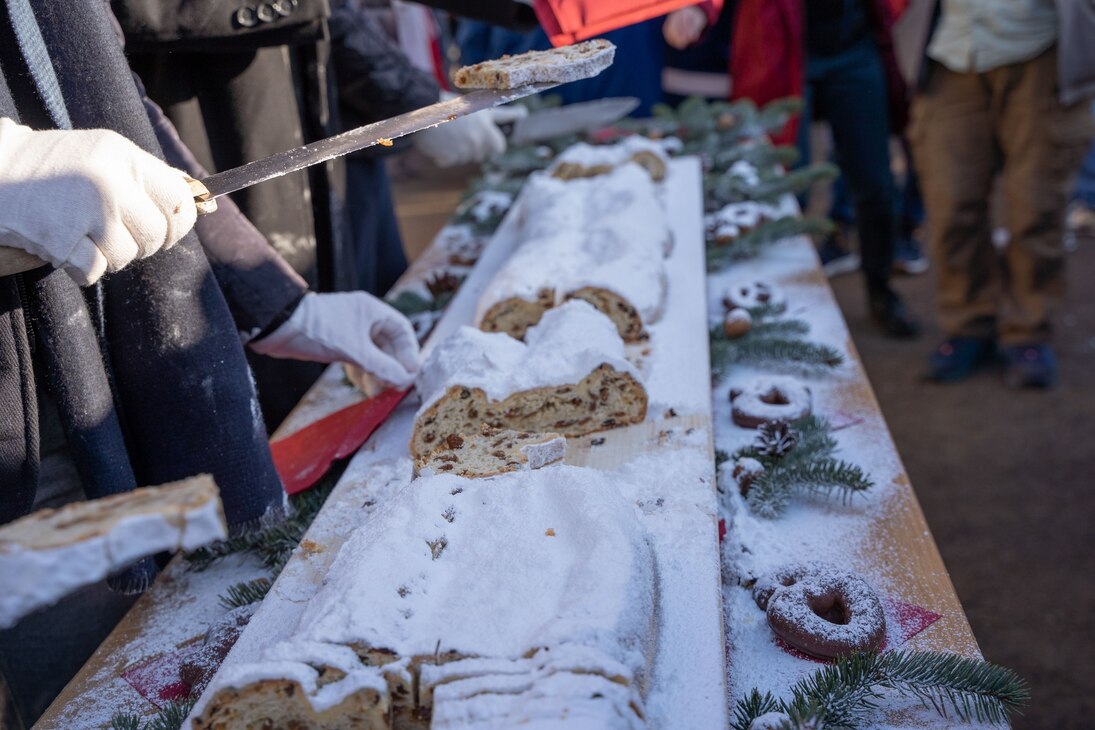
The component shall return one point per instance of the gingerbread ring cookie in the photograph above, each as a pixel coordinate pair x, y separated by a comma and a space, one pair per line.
825, 613
753, 294
771, 399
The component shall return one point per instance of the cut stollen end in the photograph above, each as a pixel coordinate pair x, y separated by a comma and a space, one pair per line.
50, 553
492, 452
555, 66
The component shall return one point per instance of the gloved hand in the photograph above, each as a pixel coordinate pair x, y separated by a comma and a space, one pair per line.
683, 27
473, 138
353, 328
89, 201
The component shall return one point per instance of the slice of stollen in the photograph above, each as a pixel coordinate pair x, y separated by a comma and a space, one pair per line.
492, 452
568, 377
48, 554
557, 65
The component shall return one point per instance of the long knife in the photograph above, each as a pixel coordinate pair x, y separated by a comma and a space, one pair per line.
206, 190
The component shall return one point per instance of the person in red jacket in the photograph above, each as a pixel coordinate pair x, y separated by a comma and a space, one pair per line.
838, 56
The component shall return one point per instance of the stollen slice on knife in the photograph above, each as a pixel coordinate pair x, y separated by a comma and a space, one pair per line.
52, 552
557, 65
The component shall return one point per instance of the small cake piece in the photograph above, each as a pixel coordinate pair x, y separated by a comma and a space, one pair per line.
301, 685
461, 244
735, 220
568, 377
624, 279
584, 160
754, 295
770, 399
47, 554
492, 452
737, 323
555, 66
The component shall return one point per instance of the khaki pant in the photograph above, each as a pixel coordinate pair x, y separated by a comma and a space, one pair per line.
966, 129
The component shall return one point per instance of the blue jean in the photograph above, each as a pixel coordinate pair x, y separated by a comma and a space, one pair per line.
848, 90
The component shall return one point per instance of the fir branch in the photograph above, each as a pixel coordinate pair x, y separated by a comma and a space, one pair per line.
780, 328
125, 722
752, 243
760, 155
408, 303
970, 688
170, 717
246, 593
752, 706
773, 351
845, 692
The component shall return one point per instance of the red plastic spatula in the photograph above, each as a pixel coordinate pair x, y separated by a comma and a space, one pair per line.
303, 457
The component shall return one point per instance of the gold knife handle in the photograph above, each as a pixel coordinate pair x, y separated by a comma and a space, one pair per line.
203, 199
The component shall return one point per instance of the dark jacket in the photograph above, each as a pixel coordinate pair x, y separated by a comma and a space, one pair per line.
146, 368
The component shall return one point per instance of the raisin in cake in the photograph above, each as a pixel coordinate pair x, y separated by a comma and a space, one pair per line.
568, 377
492, 452
557, 66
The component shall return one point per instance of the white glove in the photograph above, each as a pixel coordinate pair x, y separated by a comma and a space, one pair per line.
473, 138
89, 201
354, 328
683, 27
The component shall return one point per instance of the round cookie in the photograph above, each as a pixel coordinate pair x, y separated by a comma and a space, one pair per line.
752, 295
827, 613
776, 398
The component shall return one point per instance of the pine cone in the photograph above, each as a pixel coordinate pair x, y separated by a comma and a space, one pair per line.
775, 438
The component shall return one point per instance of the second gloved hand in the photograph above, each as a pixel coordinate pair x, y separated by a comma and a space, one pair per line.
468, 139
353, 328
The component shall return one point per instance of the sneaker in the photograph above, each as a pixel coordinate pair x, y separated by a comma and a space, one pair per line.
1030, 366
1079, 224
836, 258
908, 258
957, 358
889, 313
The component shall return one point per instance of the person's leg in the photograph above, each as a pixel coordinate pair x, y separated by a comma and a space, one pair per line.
1042, 143
955, 155
851, 94
378, 258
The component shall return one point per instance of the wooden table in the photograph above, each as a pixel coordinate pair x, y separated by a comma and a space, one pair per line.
181, 604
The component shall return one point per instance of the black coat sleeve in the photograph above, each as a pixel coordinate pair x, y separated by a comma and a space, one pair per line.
262, 290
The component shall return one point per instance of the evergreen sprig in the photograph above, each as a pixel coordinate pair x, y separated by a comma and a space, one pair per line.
760, 155
273, 544
751, 244
170, 717
846, 693
785, 352
808, 467
246, 593
721, 189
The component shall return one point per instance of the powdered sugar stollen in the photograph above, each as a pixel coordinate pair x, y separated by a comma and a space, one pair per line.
569, 342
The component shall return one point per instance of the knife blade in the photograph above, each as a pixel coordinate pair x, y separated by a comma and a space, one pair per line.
206, 190
582, 116
381, 132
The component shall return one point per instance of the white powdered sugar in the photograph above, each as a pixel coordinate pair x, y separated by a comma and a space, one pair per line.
541, 454
569, 343
570, 260
494, 568
733, 220
625, 201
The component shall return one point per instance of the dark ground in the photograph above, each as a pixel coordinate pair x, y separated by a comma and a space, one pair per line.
1007, 481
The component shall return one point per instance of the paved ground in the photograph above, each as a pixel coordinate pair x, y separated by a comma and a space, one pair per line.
1007, 481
